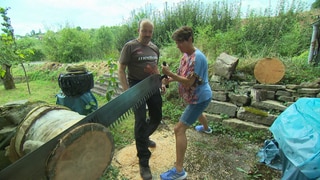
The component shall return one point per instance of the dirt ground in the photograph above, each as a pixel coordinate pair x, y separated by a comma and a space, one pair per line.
208, 157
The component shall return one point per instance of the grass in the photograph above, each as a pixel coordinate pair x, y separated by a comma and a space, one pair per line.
40, 91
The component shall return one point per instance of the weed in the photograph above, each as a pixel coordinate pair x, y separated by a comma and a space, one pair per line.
251, 174
112, 79
224, 116
112, 173
123, 133
171, 110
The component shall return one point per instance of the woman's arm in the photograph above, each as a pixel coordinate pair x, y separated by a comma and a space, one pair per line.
186, 81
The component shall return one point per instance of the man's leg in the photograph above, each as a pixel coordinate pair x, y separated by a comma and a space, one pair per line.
155, 112
141, 135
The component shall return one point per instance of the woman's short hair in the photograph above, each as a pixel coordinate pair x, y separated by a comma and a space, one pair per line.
183, 34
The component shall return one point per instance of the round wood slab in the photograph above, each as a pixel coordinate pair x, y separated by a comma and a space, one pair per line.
269, 70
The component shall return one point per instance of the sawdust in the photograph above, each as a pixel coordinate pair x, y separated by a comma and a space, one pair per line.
162, 158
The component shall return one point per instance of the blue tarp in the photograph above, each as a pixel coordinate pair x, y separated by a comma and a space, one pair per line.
297, 131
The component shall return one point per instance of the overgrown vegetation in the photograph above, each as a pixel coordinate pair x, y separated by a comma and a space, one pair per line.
220, 27
283, 31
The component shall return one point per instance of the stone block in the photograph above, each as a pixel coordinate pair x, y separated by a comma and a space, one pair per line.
225, 108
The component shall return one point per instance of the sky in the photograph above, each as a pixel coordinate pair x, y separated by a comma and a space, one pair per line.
43, 15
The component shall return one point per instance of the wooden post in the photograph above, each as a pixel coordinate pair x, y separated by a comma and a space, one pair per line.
313, 44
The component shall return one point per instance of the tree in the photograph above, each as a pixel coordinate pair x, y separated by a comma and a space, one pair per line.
68, 45
103, 42
7, 51
316, 4
31, 44
10, 53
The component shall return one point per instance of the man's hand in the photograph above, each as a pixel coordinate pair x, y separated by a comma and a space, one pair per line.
163, 89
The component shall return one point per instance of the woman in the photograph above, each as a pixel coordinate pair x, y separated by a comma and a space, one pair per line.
194, 88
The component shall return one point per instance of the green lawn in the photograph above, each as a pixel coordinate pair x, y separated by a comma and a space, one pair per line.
40, 91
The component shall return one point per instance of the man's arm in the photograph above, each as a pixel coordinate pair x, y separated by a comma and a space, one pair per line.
122, 76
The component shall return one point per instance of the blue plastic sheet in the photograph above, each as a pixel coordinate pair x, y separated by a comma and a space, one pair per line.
297, 130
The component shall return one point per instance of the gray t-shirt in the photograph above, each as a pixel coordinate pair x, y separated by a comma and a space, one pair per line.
141, 60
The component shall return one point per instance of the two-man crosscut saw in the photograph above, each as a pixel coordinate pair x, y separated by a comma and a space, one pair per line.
33, 165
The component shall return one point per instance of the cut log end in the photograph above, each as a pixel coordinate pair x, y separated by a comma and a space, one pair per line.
83, 153
269, 70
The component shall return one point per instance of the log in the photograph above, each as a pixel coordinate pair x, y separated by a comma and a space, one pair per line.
42, 124
84, 152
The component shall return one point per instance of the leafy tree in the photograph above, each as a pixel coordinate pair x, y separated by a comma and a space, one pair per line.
68, 45
31, 44
7, 54
316, 4
10, 54
103, 42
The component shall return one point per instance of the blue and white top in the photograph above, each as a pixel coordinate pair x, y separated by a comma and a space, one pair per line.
195, 65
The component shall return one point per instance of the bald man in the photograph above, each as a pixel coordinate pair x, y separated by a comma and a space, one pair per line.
139, 59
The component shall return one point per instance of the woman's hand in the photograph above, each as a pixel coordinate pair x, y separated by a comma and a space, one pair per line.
166, 70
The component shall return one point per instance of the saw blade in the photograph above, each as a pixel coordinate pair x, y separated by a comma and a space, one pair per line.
33, 165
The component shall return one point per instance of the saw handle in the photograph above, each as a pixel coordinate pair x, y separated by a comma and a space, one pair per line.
165, 76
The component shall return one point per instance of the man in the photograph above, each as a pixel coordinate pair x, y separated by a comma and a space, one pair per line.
141, 57
194, 88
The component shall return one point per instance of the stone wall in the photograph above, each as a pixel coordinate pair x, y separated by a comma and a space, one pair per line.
247, 106
251, 105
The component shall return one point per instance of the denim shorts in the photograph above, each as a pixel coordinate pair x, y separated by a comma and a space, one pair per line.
193, 111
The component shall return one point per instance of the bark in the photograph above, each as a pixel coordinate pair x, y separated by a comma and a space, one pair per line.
8, 81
